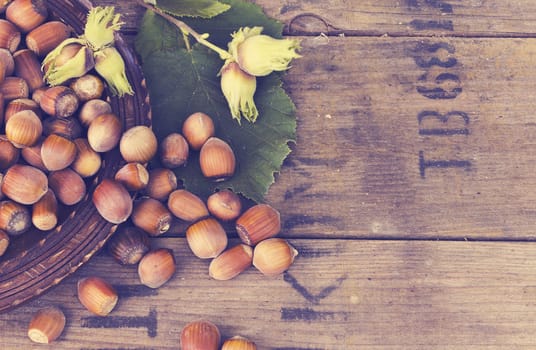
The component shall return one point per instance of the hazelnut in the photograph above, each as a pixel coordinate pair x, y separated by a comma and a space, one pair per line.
47, 37
67, 53
174, 150
162, 182
27, 14
231, 262
225, 205
217, 159
259, 222
92, 109
13, 87
87, 162
104, 132
10, 35
238, 343
206, 238
273, 256
186, 206
87, 87
68, 186
24, 128
151, 216
15, 218
200, 335
138, 144
134, 176
46, 325
197, 129
24, 184
97, 295
112, 200
45, 212
128, 245
59, 101
28, 67
57, 152
156, 267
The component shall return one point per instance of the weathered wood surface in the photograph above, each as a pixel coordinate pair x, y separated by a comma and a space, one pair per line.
493, 18
425, 133
378, 116
406, 17
387, 149
339, 294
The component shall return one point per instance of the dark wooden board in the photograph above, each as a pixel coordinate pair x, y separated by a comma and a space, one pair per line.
412, 137
415, 137
493, 18
339, 294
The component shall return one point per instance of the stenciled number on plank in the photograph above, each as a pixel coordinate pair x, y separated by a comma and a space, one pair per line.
437, 82
440, 83
425, 55
442, 7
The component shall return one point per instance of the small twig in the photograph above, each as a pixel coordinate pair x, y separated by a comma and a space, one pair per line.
186, 40
224, 55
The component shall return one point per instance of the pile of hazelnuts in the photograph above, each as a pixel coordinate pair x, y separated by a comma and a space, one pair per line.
157, 202
160, 201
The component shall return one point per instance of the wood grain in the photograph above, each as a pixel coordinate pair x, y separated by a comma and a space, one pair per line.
339, 294
365, 166
357, 170
416, 137
478, 18
406, 17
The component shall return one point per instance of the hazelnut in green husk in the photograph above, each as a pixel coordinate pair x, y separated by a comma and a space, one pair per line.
259, 54
70, 59
101, 25
93, 49
238, 87
110, 65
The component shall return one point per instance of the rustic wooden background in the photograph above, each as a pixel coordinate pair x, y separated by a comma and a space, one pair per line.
410, 194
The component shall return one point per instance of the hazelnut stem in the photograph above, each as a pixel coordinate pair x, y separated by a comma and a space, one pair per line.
201, 38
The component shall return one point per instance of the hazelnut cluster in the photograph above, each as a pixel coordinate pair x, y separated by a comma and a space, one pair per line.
52, 139
160, 201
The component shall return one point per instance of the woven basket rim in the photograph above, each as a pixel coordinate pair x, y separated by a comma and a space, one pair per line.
57, 254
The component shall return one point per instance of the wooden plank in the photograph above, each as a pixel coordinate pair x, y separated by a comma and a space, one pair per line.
382, 153
494, 18
411, 137
339, 294
407, 17
131, 14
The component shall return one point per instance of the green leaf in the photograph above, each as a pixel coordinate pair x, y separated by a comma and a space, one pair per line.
182, 82
193, 8
241, 14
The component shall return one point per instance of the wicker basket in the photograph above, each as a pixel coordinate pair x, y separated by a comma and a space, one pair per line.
36, 261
